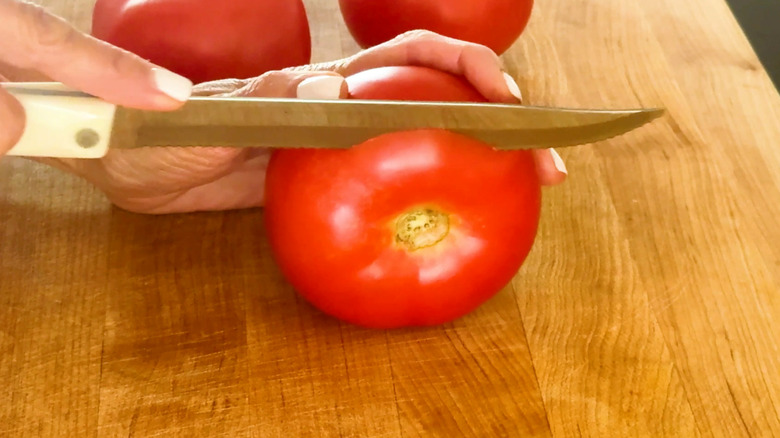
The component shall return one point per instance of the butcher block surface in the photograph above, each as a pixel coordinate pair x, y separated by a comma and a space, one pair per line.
648, 306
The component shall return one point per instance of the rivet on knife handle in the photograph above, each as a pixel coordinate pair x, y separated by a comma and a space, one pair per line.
61, 122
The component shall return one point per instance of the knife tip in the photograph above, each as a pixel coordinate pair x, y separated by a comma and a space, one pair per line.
654, 112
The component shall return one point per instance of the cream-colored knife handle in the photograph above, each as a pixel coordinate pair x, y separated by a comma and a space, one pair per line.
60, 122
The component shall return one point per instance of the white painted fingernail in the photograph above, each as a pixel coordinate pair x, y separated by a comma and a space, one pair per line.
178, 87
558, 161
513, 87
320, 87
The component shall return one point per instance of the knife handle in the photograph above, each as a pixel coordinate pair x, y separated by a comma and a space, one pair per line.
61, 122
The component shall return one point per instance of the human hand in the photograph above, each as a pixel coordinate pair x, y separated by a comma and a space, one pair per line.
168, 180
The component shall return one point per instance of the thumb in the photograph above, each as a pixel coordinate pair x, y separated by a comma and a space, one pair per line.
11, 121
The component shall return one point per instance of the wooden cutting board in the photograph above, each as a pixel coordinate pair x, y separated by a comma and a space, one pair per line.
648, 307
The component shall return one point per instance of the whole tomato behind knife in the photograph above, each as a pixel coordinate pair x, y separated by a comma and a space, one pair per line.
412, 228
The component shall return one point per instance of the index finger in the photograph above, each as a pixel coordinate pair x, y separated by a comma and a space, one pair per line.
31, 38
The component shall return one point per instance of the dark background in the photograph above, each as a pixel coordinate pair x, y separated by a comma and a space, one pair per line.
760, 20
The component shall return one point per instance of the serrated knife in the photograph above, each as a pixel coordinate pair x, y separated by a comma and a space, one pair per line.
66, 123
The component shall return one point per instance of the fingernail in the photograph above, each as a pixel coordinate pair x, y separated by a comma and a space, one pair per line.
320, 87
513, 87
558, 161
175, 86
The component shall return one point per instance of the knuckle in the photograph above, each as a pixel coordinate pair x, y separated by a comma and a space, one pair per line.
473, 55
276, 75
218, 87
277, 83
43, 33
270, 79
118, 61
320, 66
421, 34
122, 61
474, 50
266, 83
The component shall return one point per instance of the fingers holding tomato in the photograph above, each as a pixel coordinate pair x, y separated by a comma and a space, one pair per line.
476, 63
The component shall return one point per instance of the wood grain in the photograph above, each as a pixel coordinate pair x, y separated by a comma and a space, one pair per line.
52, 303
647, 307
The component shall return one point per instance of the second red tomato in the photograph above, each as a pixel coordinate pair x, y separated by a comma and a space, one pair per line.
494, 23
205, 40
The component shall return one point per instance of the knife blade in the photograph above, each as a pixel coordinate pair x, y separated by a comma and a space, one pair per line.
75, 124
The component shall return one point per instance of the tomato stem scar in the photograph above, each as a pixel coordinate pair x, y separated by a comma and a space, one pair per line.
421, 228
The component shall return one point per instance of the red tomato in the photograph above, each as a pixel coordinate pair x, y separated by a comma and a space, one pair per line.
206, 40
410, 228
494, 23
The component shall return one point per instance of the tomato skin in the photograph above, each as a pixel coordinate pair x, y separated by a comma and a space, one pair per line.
494, 23
205, 40
331, 215
411, 83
